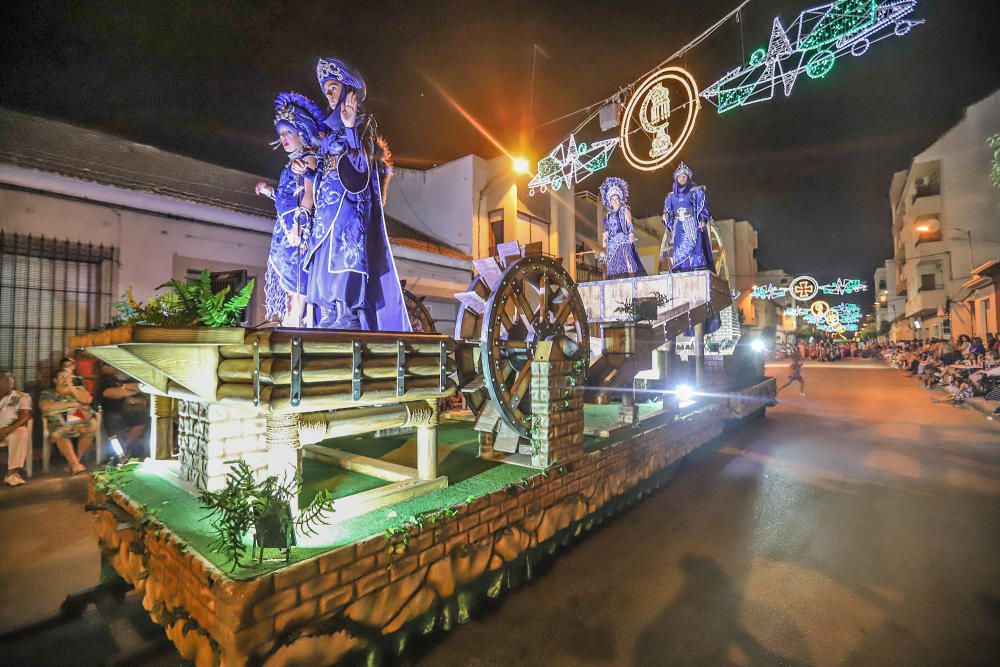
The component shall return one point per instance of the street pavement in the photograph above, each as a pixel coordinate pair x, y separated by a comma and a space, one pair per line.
856, 525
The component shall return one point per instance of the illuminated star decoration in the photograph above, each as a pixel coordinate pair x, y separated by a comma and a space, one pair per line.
569, 163
811, 44
842, 287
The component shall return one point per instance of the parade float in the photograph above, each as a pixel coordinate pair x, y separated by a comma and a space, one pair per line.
307, 501
415, 550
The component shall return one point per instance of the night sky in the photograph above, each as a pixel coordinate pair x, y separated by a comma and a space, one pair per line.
811, 172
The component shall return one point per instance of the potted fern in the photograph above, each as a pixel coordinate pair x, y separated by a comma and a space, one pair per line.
244, 503
189, 302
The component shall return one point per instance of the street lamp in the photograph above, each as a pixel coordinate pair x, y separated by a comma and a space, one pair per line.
520, 165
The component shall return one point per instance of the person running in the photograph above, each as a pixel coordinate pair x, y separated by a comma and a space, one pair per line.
796, 376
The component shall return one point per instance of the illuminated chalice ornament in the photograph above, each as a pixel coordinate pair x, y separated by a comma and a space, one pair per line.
654, 116
833, 319
820, 308
649, 112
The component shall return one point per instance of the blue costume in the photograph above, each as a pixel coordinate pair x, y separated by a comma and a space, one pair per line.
685, 215
285, 262
622, 258
352, 275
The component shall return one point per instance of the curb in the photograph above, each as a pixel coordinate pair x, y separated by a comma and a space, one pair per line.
42, 488
977, 403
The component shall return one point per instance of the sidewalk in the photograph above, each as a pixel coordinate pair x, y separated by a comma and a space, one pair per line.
977, 403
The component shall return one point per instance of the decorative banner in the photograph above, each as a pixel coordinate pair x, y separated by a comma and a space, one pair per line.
570, 163
811, 44
646, 126
797, 311
842, 287
803, 288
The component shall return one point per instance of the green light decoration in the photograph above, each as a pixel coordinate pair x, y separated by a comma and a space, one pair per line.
570, 162
811, 44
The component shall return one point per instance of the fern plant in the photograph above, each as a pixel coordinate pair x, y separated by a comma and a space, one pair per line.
243, 502
189, 302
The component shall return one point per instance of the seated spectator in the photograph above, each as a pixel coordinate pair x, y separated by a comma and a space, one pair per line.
67, 412
126, 412
15, 413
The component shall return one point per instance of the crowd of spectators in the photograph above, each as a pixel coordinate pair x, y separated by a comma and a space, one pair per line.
830, 351
968, 367
81, 413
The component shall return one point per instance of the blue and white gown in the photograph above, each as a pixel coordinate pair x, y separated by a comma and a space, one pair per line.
352, 275
285, 261
623, 259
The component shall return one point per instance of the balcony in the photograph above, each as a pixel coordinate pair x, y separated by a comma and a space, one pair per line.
925, 300
923, 207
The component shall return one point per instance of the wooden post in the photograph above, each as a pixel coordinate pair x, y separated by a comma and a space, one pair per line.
426, 422
699, 354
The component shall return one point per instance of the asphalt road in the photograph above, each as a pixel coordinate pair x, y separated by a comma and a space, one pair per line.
857, 525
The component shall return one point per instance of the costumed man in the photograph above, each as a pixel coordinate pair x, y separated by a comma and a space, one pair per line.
686, 217
619, 235
297, 122
352, 275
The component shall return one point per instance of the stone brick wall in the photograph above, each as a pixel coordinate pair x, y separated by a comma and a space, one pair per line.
208, 435
557, 413
372, 595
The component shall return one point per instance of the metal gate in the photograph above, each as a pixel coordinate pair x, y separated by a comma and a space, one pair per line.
49, 290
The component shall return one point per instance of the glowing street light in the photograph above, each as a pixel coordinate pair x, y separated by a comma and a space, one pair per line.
521, 165
923, 229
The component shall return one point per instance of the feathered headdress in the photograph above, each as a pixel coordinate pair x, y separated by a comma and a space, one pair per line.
683, 169
614, 186
301, 113
335, 69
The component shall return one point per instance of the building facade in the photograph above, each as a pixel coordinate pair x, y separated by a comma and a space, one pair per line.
945, 223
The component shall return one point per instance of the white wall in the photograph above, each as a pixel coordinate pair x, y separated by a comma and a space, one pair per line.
148, 244
437, 201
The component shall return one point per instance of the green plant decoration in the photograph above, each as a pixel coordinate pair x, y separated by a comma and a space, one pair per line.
243, 501
189, 302
994, 144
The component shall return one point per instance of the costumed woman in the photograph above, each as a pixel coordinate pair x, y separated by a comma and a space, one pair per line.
686, 217
352, 275
619, 234
297, 122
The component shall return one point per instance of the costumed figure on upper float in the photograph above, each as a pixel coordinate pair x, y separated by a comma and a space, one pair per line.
352, 275
297, 122
619, 234
686, 217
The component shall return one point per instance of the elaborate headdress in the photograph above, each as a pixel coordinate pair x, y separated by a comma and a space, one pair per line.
301, 114
614, 186
333, 69
683, 169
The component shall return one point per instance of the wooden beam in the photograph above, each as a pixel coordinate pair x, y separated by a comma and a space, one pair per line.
194, 367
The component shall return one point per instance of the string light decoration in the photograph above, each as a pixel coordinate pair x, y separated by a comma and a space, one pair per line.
768, 292
841, 287
570, 162
819, 308
811, 44
646, 123
803, 288
796, 311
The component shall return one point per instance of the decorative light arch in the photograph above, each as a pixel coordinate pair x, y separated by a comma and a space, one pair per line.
651, 86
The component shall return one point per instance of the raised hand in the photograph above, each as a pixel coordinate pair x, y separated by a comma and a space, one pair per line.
349, 109
263, 188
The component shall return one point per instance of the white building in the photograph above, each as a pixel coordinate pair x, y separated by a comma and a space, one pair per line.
84, 215
945, 223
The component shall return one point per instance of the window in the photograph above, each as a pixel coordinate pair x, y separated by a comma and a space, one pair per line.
496, 229
532, 230
927, 282
49, 290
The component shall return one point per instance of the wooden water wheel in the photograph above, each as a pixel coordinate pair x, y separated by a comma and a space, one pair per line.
421, 320
509, 308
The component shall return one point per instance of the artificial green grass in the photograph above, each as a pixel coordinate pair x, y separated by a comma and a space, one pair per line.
469, 478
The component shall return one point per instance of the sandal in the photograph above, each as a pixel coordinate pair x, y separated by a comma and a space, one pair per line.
77, 471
